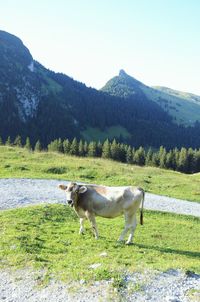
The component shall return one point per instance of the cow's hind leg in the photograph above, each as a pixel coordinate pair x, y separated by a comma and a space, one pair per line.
81, 231
92, 219
132, 229
128, 224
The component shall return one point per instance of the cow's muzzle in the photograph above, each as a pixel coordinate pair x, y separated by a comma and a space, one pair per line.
70, 202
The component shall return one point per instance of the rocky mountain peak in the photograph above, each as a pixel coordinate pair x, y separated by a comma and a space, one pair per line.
122, 73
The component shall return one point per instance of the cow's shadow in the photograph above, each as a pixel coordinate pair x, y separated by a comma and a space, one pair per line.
169, 250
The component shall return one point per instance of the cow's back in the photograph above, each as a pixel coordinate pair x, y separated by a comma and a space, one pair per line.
109, 201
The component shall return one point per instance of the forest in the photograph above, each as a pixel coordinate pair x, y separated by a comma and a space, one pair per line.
181, 160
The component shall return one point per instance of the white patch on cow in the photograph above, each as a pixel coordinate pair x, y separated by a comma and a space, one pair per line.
68, 195
31, 66
109, 204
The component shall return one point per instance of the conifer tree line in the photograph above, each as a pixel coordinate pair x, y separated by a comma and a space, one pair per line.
182, 160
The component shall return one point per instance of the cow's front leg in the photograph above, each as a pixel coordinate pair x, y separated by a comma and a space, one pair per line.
81, 231
123, 233
92, 220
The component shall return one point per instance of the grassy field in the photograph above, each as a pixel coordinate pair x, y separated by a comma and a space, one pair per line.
19, 163
46, 237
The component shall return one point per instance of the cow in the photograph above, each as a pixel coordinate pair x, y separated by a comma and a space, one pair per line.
89, 201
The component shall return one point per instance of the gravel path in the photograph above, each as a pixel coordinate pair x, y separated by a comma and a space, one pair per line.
153, 286
21, 192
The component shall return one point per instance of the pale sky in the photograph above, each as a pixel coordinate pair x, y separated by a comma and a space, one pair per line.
155, 41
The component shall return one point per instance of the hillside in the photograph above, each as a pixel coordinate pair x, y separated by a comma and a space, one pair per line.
182, 107
45, 105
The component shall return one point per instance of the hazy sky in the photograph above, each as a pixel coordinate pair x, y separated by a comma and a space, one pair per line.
155, 41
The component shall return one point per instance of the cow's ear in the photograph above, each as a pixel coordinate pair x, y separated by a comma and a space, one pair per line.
63, 187
82, 189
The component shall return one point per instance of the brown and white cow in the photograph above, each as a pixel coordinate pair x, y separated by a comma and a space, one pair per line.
89, 201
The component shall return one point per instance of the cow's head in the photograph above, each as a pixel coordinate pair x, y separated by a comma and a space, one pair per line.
73, 191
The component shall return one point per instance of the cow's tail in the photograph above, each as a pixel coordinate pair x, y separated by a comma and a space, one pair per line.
142, 206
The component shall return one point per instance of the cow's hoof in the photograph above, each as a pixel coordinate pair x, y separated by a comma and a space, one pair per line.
81, 232
120, 241
129, 243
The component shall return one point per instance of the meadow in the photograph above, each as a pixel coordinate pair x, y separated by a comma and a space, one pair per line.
46, 236
20, 163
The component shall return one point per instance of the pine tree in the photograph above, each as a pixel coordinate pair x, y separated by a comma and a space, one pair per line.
74, 147
183, 161
114, 150
99, 149
66, 146
8, 141
38, 146
176, 154
148, 158
53, 146
81, 151
162, 157
122, 153
139, 157
196, 161
170, 160
60, 145
106, 149
17, 141
85, 148
155, 159
133, 154
191, 160
92, 149
28, 144
129, 155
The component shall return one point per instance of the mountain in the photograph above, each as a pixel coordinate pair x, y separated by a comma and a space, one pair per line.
183, 107
44, 105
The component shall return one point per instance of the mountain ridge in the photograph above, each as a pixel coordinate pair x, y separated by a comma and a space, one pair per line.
42, 104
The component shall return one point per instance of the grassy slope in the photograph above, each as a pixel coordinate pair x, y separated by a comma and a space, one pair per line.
47, 237
184, 110
19, 163
111, 132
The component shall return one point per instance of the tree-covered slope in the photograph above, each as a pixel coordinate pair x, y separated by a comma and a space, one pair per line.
45, 105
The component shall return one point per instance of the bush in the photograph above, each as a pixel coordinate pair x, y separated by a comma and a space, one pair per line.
56, 170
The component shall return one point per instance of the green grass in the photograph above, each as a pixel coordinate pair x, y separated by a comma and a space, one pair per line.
181, 106
19, 163
46, 237
110, 132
